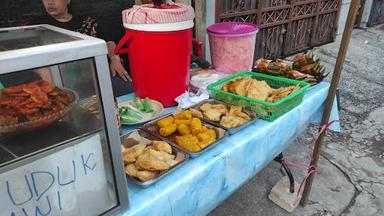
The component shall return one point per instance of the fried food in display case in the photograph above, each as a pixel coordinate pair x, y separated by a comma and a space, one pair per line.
33, 105
56, 113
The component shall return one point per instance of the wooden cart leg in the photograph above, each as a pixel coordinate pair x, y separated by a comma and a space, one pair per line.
279, 159
353, 9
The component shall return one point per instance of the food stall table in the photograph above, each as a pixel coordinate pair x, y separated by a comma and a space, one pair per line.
203, 183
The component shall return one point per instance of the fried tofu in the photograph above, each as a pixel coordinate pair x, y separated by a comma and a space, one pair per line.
232, 121
162, 146
220, 107
212, 114
238, 111
205, 107
196, 113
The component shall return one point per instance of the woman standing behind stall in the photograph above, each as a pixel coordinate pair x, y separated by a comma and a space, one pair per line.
59, 15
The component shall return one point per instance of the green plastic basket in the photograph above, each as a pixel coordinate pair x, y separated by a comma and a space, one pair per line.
265, 110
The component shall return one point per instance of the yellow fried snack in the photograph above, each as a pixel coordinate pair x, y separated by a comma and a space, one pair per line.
196, 113
206, 143
196, 126
168, 130
187, 114
145, 175
206, 138
162, 146
184, 129
165, 121
203, 136
238, 111
149, 162
162, 156
211, 133
221, 108
131, 170
130, 154
232, 121
188, 142
205, 107
231, 85
204, 128
243, 86
182, 121
259, 90
212, 114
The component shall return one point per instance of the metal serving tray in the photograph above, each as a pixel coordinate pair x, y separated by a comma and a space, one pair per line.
253, 115
140, 136
153, 129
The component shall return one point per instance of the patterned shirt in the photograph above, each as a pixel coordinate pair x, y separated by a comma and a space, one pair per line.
85, 25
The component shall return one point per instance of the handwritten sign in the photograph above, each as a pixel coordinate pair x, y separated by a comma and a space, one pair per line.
72, 181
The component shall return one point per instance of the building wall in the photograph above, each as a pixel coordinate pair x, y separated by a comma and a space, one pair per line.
209, 20
343, 16
366, 13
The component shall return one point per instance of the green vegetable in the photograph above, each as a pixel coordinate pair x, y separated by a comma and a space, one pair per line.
139, 104
147, 105
130, 114
128, 119
144, 105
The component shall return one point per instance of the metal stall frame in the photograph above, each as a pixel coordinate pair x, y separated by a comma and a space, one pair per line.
86, 47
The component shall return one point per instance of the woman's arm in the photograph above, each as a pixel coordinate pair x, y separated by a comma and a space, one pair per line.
116, 66
44, 73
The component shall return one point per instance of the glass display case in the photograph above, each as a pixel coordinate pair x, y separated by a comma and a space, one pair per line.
59, 140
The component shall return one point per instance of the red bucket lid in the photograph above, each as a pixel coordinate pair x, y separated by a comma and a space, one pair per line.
150, 14
233, 28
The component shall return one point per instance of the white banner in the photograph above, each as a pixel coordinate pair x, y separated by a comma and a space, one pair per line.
69, 182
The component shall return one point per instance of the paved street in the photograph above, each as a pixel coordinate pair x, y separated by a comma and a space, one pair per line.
351, 181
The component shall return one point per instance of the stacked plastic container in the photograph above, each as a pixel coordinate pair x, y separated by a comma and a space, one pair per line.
232, 46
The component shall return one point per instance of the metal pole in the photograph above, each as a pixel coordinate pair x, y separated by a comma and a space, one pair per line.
355, 4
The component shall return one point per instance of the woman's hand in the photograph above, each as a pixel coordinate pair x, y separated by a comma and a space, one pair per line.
117, 68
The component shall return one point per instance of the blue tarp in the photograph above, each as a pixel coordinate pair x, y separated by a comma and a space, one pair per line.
202, 183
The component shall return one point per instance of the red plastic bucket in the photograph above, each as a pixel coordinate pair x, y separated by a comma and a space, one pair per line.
159, 57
